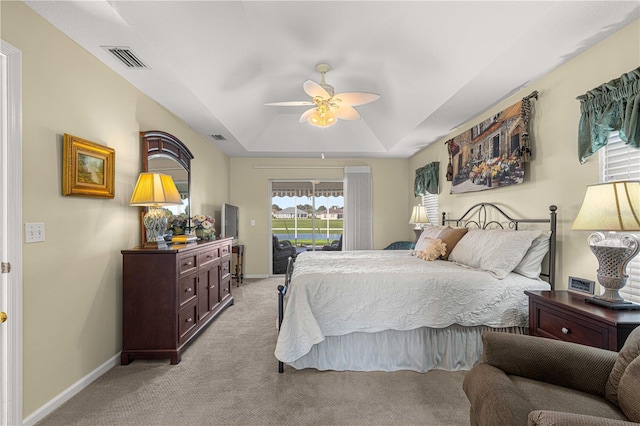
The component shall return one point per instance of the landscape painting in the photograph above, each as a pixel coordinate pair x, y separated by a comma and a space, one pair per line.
487, 155
88, 168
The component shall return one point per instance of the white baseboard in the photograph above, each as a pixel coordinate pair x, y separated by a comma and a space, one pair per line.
68, 393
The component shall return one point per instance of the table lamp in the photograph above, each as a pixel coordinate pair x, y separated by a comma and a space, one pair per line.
419, 218
612, 207
155, 190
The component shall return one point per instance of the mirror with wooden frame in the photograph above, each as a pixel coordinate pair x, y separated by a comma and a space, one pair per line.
164, 153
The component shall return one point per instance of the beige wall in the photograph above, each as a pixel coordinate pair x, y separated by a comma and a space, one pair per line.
72, 282
249, 185
555, 175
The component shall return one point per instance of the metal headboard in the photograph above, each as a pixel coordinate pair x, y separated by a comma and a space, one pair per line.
478, 217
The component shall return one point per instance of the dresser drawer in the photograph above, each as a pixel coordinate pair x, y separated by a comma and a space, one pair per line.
208, 256
225, 287
187, 287
225, 269
187, 320
225, 249
187, 263
563, 326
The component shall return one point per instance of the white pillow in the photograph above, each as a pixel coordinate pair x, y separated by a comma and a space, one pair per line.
495, 250
431, 232
531, 264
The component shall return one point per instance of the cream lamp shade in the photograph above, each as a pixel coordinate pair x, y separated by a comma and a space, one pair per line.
419, 216
612, 207
155, 190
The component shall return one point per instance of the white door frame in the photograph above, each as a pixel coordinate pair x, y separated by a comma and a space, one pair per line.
11, 250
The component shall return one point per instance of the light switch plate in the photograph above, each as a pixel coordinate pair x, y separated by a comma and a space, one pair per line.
33, 232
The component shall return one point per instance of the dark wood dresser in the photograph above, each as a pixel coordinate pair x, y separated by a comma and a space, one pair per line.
564, 315
170, 295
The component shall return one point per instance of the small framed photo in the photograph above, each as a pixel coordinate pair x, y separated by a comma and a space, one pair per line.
582, 285
88, 169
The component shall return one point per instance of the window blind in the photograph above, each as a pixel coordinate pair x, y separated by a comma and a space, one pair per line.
619, 161
430, 202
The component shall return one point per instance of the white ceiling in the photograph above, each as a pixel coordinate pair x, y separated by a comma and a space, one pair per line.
435, 64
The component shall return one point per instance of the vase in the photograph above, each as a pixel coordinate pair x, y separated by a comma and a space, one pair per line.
205, 234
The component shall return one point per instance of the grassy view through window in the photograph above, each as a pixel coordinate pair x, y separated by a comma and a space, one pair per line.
324, 231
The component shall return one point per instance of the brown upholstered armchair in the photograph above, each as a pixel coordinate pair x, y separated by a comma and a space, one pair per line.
525, 380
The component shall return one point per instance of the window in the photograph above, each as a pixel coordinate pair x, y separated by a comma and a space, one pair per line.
619, 161
430, 202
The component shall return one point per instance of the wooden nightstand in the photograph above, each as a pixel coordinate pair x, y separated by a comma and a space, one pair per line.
564, 315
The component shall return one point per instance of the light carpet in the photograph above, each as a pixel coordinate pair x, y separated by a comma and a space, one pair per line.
229, 376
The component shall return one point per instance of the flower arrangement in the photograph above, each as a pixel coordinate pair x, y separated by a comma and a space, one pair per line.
182, 223
201, 221
178, 223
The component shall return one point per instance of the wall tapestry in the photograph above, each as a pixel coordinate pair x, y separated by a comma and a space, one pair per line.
492, 153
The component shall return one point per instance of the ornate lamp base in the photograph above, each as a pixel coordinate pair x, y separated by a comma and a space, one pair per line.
155, 222
595, 300
613, 253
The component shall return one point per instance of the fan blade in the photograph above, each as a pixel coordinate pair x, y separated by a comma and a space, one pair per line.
355, 98
291, 103
346, 112
305, 115
313, 89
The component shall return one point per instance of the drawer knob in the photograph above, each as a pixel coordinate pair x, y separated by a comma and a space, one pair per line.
565, 330
189, 290
189, 319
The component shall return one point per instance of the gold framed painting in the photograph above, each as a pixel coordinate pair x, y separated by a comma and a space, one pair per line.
88, 169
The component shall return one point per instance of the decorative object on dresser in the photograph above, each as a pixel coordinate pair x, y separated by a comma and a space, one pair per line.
612, 206
155, 190
419, 218
203, 225
88, 169
169, 295
563, 315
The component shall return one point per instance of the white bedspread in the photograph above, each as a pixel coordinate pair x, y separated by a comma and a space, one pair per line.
337, 293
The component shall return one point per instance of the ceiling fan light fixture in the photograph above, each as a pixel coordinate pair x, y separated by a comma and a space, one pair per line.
321, 119
329, 107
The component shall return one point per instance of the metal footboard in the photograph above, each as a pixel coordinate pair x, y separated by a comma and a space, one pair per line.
282, 291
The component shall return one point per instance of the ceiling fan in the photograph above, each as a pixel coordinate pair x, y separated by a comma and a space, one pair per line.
328, 106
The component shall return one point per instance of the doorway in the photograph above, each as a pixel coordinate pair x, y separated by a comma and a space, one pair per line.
306, 215
10, 240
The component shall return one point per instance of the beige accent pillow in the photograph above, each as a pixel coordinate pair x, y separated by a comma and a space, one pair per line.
450, 236
435, 249
431, 232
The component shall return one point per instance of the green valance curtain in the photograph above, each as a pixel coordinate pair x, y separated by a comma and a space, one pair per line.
613, 106
427, 179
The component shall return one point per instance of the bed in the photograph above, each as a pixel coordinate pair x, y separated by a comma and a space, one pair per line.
389, 310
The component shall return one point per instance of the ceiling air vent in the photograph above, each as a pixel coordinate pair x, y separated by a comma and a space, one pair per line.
126, 56
219, 137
